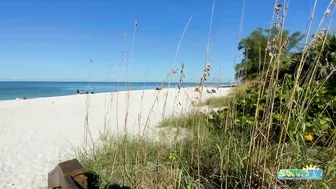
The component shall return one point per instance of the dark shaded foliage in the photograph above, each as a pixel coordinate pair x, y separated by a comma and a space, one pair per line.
256, 48
94, 180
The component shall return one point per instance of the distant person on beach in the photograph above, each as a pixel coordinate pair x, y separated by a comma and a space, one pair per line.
159, 87
79, 91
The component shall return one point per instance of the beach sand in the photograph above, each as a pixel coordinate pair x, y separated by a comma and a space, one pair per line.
35, 134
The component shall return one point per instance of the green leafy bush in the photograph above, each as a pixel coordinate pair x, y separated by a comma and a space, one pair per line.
312, 112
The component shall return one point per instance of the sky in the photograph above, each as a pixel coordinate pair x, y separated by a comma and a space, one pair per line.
54, 40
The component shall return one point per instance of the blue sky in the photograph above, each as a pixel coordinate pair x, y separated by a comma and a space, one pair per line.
54, 40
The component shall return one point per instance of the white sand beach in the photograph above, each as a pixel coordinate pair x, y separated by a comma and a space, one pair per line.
34, 134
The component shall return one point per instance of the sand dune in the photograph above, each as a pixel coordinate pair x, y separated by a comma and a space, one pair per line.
35, 133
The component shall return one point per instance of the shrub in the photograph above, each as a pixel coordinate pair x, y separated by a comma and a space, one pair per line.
315, 116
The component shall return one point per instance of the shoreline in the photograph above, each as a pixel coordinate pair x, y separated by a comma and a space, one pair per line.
32, 90
84, 94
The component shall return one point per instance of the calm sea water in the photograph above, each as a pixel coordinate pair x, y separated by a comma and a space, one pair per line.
13, 90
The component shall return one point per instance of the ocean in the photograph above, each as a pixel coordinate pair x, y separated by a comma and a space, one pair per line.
13, 90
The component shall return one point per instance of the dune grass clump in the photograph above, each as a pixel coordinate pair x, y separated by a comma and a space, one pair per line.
185, 121
238, 92
146, 165
217, 101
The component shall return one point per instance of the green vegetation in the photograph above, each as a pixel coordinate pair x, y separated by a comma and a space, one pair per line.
218, 101
257, 46
146, 165
185, 121
282, 115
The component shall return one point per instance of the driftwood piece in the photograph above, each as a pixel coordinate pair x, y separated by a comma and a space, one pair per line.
67, 175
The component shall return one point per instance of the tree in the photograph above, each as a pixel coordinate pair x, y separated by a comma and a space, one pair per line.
318, 63
257, 46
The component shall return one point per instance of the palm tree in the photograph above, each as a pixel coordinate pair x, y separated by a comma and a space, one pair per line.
256, 46
319, 63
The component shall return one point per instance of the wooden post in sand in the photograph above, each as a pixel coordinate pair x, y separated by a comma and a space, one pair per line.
67, 175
